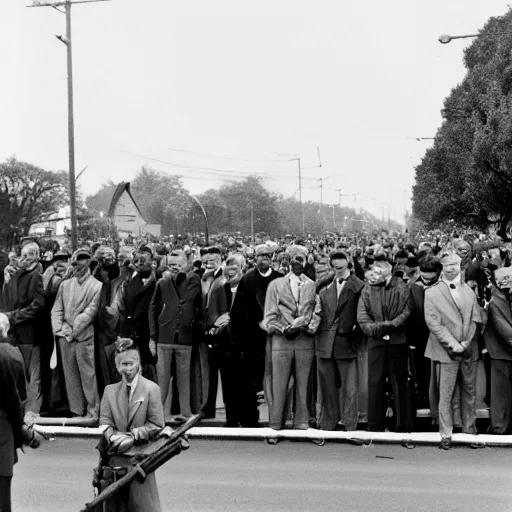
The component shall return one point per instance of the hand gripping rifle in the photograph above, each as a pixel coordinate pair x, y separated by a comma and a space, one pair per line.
168, 450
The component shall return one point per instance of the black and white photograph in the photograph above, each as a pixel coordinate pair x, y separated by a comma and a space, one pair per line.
255, 256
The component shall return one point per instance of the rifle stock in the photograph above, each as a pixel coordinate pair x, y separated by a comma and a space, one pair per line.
150, 464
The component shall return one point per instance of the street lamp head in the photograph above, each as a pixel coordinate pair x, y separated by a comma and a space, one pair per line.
445, 39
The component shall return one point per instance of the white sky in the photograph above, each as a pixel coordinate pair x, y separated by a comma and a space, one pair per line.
234, 78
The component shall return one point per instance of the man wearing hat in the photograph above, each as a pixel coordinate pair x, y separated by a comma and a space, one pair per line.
246, 315
73, 316
417, 332
52, 279
381, 313
338, 340
452, 316
498, 341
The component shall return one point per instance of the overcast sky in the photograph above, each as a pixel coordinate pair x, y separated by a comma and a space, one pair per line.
237, 79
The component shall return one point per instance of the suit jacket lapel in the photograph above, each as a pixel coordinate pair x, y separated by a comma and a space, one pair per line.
449, 297
122, 401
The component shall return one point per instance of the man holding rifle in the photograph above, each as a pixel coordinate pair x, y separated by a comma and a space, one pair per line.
132, 413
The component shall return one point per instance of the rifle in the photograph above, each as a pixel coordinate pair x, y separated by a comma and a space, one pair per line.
169, 449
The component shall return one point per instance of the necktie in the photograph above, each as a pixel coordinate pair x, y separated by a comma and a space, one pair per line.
453, 287
341, 280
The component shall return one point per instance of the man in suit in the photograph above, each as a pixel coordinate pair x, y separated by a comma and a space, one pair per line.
381, 313
211, 281
246, 315
73, 314
22, 302
174, 313
338, 340
498, 341
12, 395
452, 316
132, 413
416, 329
289, 306
132, 303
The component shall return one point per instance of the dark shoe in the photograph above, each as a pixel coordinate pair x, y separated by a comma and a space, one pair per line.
273, 440
457, 429
340, 428
446, 443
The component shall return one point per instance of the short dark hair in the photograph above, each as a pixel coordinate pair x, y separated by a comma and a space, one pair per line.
402, 255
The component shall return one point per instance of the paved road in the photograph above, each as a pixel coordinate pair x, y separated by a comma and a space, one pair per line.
251, 476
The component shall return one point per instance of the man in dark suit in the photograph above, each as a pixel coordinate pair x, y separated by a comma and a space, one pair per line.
246, 315
133, 300
338, 339
381, 313
132, 413
22, 301
416, 329
498, 341
174, 312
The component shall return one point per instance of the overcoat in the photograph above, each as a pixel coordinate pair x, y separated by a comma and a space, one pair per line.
449, 324
338, 320
143, 411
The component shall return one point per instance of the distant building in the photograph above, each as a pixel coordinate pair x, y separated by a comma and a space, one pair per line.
55, 225
125, 213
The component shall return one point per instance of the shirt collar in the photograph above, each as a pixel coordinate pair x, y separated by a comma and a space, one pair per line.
456, 281
267, 273
133, 384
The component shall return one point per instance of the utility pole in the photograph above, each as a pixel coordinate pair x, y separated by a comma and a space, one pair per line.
71, 122
300, 195
321, 180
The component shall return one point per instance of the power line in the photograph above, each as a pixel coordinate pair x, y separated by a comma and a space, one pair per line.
210, 169
239, 159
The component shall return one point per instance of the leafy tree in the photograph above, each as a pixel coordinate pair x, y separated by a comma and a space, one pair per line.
467, 174
27, 195
92, 227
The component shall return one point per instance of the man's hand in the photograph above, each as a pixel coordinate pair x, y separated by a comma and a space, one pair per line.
457, 350
152, 347
140, 435
465, 344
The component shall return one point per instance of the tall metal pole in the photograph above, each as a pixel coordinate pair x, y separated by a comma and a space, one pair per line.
333, 218
321, 180
71, 131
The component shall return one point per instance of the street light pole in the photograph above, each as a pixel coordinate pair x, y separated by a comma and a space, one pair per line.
445, 38
206, 230
71, 122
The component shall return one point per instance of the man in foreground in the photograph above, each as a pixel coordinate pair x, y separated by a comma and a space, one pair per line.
132, 413
452, 315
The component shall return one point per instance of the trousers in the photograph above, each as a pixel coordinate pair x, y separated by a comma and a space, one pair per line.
388, 360
32, 357
5, 493
297, 354
330, 413
80, 376
501, 396
182, 355
447, 375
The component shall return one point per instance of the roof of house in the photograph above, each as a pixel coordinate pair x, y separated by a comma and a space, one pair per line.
118, 192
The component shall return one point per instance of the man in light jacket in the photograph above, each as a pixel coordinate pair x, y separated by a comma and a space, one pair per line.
452, 316
289, 306
73, 316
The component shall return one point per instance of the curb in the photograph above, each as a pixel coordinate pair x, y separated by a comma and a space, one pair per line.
318, 436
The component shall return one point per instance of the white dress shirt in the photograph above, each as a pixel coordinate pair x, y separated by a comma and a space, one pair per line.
454, 287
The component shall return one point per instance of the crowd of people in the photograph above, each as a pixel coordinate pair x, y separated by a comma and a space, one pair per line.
338, 333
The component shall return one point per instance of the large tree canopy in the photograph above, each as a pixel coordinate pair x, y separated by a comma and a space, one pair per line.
28, 194
467, 174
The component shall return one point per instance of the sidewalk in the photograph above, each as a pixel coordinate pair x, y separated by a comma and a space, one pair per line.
214, 429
